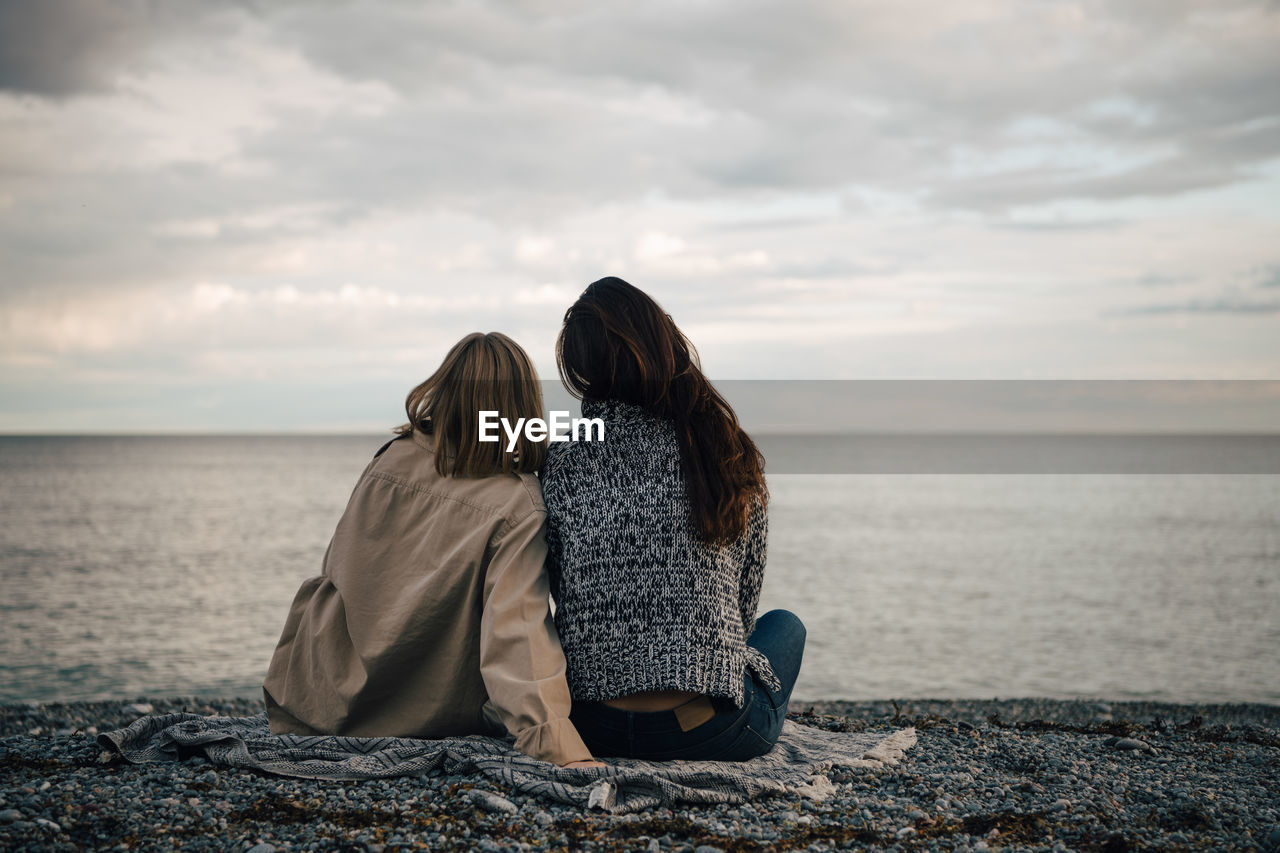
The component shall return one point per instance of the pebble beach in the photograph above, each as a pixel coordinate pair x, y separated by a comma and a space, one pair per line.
985, 775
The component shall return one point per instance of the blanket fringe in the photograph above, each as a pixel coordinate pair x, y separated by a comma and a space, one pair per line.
602, 795
887, 752
817, 789
890, 750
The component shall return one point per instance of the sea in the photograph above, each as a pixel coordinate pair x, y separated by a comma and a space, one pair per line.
137, 566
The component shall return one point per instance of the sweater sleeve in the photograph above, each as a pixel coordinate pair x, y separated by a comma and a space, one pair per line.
755, 552
553, 562
521, 660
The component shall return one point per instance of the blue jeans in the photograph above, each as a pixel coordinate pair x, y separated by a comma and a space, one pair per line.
731, 734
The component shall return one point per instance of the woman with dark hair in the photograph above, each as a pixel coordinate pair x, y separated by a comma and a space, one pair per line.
430, 615
656, 548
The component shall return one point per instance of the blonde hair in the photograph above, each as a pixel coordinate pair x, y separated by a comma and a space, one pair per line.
483, 372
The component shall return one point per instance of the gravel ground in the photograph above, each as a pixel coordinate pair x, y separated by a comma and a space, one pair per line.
986, 775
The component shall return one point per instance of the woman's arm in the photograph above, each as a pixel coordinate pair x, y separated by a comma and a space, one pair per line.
755, 553
521, 661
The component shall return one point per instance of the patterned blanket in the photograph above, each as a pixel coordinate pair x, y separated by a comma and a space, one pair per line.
794, 767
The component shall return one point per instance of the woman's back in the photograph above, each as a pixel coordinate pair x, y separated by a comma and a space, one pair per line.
406, 571
431, 614
656, 547
642, 603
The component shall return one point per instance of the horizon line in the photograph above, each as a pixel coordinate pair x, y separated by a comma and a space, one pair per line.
784, 433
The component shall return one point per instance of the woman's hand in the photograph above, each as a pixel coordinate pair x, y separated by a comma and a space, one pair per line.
591, 763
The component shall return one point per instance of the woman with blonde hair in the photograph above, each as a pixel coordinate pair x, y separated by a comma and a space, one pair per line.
430, 616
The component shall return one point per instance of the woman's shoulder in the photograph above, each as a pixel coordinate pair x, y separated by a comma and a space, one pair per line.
513, 496
529, 494
411, 465
568, 457
624, 436
559, 454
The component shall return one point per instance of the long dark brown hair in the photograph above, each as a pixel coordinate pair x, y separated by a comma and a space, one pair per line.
618, 344
482, 372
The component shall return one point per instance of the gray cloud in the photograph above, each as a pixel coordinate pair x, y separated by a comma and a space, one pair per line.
1268, 276
1063, 225
1152, 279
59, 48
536, 109
62, 47
1207, 306
833, 93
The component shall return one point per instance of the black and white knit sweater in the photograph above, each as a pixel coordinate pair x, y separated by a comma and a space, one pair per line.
641, 603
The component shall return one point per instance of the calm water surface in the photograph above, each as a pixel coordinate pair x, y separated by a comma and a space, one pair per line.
165, 566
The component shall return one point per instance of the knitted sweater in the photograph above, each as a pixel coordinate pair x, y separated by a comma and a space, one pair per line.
641, 603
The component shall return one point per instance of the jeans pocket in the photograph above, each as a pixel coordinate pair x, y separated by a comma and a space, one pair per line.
747, 745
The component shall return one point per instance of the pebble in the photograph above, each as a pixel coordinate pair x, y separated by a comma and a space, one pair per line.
10, 815
492, 802
262, 848
1132, 743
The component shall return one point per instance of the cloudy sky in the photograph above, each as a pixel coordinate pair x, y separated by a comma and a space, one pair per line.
279, 215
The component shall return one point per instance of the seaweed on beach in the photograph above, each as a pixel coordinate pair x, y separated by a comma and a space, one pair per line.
1113, 728
1194, 730
836, 723
1008, 826
13, 762
828, 722
1245, 734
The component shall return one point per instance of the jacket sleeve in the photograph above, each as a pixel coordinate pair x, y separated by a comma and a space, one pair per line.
521, 661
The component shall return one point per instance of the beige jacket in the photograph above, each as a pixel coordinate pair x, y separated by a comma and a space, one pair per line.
430, 616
